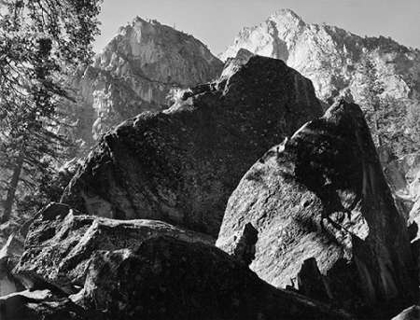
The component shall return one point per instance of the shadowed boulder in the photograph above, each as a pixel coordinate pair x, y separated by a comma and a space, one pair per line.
322, 195
142, 269
181, 165
60, 244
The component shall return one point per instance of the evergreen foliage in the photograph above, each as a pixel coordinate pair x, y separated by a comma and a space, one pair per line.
42, 42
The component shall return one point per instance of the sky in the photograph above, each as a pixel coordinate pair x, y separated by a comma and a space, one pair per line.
217, 22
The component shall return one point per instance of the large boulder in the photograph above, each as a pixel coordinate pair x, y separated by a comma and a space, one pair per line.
61, 242
322, 194
181, 165
143, 270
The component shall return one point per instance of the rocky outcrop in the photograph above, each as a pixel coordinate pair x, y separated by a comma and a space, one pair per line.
330, 56
42, 305
322, 194
341, 64
403, 176
135, 72
142, 269
9, 257
181, 165
412, 313
61, 243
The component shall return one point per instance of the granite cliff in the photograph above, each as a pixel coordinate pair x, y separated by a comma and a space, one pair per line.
330, 56
136, 72
342, 64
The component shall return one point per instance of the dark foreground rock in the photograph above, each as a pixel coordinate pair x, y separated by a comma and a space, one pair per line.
145, 270
322, 195
42, 305
61, 242
181, 165
412, 313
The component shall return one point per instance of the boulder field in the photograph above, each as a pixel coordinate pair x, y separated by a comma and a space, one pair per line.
181, 165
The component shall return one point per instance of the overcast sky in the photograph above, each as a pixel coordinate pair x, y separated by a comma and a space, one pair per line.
217, 22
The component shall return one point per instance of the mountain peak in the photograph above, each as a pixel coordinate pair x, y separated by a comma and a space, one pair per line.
140, 20
287, 14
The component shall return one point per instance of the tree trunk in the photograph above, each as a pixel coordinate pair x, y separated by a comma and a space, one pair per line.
11, 192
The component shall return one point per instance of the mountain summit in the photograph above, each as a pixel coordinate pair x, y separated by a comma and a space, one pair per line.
136, 71
330, 56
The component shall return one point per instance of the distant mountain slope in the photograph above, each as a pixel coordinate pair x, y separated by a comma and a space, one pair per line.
135, 72
330, 56
335, 60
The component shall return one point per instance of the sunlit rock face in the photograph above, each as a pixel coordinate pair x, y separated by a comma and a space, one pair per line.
329, 56
135, 72
403, 176
321, 195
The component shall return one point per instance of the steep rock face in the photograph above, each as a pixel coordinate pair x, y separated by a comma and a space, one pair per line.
322, 195
147, 270
403, 176
181, 165
330, 56
135, 72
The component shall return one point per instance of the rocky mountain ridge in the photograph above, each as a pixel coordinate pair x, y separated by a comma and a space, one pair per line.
136, 72
330, 56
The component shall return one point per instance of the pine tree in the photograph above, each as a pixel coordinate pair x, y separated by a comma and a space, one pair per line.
371, 97
41, 43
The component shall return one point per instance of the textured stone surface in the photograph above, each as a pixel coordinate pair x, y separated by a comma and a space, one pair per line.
412, 313
181, 165
322, 195
403, 176
135, 72
329, 56
172, 279
101, 268
9, 257
42, 305
60, 244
